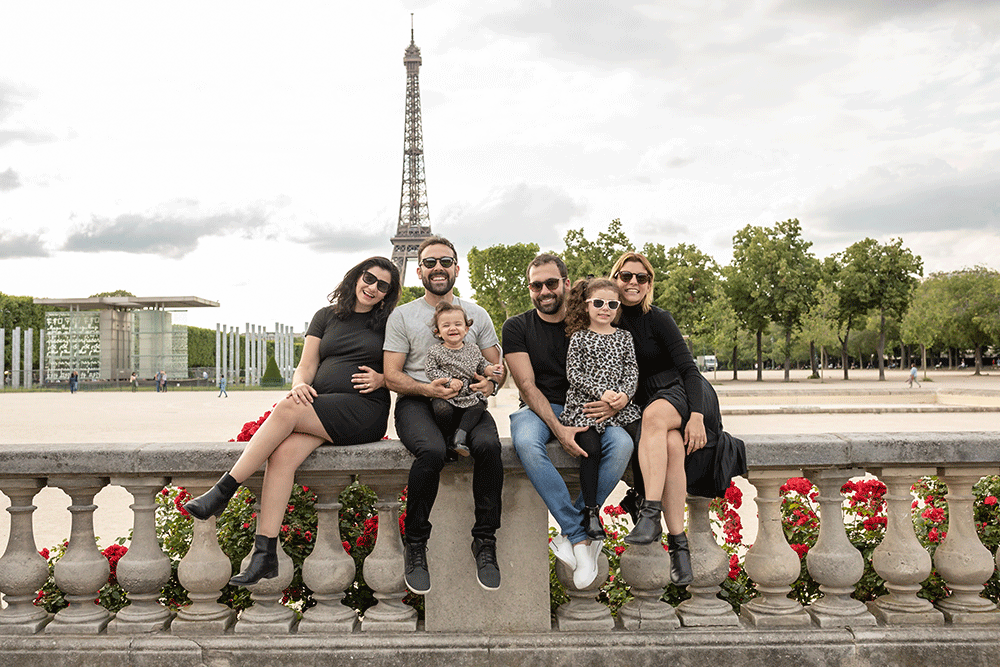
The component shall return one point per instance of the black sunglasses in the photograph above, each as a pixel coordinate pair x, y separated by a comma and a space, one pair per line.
431, 262
551, 284
600, 303
626, 277
371, 279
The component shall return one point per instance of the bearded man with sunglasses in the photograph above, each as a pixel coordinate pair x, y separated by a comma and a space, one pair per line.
408, 337
535, 347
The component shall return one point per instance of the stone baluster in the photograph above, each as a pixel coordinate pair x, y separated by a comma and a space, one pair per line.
383, 568
710, 566
328, 571
203, 572
646, 567
961, 559
833, 561
267, 615
83, 570
22, 569
144, 569
583, 612
771, 562
899, 558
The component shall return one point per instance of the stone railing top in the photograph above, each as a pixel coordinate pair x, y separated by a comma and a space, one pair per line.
831, 450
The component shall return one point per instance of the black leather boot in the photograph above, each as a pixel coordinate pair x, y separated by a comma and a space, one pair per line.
648, 528
592, 523
680, 559
263, 562
458, 443
631, 503
213, 501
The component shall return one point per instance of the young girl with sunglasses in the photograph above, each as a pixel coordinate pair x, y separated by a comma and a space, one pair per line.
600, 366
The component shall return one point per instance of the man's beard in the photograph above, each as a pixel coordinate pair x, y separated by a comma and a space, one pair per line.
552, 307
435, 289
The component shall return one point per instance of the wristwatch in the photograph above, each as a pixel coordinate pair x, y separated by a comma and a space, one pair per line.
496, 386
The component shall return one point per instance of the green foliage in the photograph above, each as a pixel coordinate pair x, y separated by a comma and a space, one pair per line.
20, 311
972, 312
201, 347
497, 276
584, 257
272, 376
410, 293
117, 292
687, 282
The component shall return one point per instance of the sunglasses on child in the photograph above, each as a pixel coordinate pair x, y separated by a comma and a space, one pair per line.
551, 284
371, 279
626, 277
600, 303
431, 262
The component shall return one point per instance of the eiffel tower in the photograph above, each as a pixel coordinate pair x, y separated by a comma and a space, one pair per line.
414, 218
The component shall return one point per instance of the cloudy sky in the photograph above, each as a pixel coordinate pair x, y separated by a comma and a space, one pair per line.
250, 152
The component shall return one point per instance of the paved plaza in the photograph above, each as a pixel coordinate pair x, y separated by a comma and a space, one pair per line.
42, 418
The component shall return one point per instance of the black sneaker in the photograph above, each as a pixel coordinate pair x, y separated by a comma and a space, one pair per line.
418, 579
487, 570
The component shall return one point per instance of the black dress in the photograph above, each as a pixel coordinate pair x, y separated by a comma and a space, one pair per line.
349, 417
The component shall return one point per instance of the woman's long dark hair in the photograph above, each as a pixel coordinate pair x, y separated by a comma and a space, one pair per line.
577, 317
344, 297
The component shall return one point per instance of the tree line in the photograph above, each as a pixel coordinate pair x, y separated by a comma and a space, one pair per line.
776, 299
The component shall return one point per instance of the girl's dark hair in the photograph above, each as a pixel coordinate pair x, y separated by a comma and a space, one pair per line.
577, 317
344, 297
444, 307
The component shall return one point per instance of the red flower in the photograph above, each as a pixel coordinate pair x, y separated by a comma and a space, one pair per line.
347, 546
799, 485
801, 549
933, 535
990, 500
44, 553
734, 567
284, 528
246, 525
620, 549
934, 514
114, 554
734, 496
874, 523
309, 536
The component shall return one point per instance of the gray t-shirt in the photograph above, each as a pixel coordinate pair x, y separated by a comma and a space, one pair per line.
410, 330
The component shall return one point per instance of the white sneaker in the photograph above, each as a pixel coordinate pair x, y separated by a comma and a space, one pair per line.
563, 550
586, 565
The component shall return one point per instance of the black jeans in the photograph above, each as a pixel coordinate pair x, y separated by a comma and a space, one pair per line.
420, 434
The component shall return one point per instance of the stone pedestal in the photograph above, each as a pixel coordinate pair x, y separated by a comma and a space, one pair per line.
961, 559
456, 602
328, 570
646, 568
771, 562
83, 570
900, 559
710, 566
834, 562
144, 569
203, 572
23, 571
383, 568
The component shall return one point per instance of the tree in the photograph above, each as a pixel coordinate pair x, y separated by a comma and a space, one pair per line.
118, 292
19, 311
497, 277
973, 308
584, 258
924, 322
687, 282
772, 277
819, 326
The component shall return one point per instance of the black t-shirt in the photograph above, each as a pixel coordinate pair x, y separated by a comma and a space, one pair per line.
344, 345
546, 345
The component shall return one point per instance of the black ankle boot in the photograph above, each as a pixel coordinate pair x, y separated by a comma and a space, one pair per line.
263, 562
213, 501
648, 528
592, 523
631, 503
680, 559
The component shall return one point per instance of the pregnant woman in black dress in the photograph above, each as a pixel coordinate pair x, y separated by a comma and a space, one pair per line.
338, 395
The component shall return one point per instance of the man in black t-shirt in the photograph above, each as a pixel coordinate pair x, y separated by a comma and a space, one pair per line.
535, 345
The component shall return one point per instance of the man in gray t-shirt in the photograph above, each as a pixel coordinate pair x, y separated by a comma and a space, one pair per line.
408, 336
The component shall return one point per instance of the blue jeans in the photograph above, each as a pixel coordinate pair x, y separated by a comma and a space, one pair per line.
530, 436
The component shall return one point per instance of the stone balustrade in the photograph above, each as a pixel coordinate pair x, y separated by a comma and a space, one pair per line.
463, 618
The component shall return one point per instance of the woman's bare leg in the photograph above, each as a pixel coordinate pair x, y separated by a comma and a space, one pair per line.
658, 419
286, 418
279, 477
675, 491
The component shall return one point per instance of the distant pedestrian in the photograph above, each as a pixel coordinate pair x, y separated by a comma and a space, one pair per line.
913, 377
74, 382
134, 381
222, 387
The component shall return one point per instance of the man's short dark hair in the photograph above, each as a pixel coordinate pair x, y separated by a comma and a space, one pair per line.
436, 240
547, 258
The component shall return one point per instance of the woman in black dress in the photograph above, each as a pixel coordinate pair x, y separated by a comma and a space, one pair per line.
672, 391
338, 395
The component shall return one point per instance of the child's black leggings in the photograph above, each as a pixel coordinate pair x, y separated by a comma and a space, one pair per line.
450, 418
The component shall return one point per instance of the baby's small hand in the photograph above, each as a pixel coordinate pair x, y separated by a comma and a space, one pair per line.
609, 396
494, 371
455, 384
